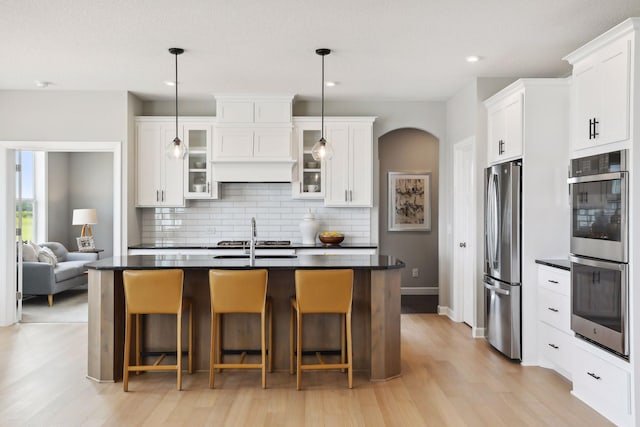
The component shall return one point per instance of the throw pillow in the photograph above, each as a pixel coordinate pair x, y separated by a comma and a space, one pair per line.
28, 253
35, 247
46, 255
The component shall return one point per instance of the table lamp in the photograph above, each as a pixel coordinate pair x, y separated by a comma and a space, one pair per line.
85, 218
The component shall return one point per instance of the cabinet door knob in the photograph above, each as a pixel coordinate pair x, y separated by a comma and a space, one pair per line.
591, 374
554, 346
462, 244
555, 310
157, 196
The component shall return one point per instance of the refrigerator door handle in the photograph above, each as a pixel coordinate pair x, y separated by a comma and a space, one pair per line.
492, 220
496, 289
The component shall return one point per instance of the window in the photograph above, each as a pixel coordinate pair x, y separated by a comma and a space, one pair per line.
25, 194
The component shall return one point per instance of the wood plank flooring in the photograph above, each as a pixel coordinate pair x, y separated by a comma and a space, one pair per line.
449, 379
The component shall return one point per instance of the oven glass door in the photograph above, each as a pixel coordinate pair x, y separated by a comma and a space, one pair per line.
599, 216
597, 295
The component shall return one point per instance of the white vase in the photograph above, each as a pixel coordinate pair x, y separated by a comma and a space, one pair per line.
309, 228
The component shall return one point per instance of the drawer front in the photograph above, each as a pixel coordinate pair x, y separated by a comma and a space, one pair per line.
554, 279
556, 348
601, 384
554, 309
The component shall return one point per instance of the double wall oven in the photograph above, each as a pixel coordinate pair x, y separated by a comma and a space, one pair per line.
599, 250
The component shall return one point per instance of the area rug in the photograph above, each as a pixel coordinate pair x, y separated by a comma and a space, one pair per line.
68, 307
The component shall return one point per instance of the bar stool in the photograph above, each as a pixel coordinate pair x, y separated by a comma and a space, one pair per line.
155, 292
322, 291
243, 291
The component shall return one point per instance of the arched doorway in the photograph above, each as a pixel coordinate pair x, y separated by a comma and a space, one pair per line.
411, 150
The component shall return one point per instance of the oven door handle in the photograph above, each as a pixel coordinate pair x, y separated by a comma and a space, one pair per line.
601, 177
598, 264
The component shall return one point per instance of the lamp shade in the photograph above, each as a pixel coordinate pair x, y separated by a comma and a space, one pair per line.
84, 216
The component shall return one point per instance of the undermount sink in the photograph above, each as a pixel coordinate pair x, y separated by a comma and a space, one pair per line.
246, 256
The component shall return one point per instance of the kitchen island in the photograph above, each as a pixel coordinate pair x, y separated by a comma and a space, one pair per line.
375, 318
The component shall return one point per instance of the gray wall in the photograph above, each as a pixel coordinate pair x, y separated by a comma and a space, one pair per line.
58, 215
410, 150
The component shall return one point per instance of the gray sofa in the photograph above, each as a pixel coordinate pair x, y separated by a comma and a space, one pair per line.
41, 278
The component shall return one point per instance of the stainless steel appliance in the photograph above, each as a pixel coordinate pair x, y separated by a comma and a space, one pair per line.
502, 257
599, 245
599, 206
599, 302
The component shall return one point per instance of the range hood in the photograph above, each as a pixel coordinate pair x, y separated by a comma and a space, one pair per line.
253, 170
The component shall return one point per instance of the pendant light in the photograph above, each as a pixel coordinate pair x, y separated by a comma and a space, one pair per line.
321, 150
177, 148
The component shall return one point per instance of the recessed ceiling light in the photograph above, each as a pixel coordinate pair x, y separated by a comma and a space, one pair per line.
330, 84
42, 84
170, 83
472, 58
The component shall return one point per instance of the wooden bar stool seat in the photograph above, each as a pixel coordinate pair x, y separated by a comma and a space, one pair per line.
240, 291
321, 291
155, 292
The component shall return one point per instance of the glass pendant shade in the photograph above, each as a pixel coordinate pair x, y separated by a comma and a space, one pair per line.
321, 150
177, 149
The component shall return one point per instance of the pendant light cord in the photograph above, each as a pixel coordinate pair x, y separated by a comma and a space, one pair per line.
176, 95
322, 116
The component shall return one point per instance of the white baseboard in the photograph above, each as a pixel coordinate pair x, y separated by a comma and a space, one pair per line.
419, 290
478, 332
446, 311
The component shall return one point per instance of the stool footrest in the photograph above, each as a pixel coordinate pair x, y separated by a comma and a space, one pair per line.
153, 368
324, 366
237, 365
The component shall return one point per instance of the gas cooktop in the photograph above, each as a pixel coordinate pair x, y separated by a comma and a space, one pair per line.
242, 243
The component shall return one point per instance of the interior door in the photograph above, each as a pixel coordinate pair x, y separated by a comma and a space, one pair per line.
19, 228
464, 230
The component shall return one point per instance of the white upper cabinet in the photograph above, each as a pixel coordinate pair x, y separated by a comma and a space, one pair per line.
600, 94
198, 168
348, 177
160, 179
308, 174
505, 126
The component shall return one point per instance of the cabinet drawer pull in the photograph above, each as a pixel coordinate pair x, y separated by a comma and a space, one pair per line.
208, 187
591, 374
553, 281
345, 196
351, 195
555, 310
157, 196
553, 346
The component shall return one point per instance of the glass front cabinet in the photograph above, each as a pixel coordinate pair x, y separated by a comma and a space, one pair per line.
198, 174
308, 174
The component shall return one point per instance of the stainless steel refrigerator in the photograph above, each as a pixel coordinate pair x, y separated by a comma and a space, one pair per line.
502, 257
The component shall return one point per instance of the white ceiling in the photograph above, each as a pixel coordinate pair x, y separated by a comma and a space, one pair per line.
382, 49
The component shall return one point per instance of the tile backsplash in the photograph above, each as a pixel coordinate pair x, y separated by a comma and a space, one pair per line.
205, 222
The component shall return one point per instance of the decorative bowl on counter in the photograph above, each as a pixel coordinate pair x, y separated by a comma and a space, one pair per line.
331, 238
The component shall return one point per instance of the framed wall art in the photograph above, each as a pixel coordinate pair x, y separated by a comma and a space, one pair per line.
85, 243
409, 201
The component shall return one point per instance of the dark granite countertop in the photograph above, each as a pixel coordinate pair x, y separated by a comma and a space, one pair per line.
141, 262
563, 264
293, 245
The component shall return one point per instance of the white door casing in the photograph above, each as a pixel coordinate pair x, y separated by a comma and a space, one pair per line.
464, 229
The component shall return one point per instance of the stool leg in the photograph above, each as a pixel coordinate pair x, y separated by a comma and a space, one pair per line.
291, 351
127, 353
342, 339
299, 351
179, 348
270, 314
191, 338
214, 337
349, 350
263, 345
219, 356
138, 348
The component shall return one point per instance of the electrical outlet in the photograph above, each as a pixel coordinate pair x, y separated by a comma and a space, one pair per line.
414, 272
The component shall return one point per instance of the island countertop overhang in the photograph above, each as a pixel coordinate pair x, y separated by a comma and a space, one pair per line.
142, 262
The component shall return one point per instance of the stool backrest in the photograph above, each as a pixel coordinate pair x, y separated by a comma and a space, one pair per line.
324, 291
153, 291
238, 291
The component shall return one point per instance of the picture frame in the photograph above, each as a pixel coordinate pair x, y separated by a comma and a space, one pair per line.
85, 243
409, 201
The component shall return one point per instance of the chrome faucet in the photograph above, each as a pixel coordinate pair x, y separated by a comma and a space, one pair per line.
252, 242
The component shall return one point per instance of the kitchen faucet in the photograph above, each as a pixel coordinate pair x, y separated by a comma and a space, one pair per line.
252, 243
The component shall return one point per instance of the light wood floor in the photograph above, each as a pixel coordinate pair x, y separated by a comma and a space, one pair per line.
449, 379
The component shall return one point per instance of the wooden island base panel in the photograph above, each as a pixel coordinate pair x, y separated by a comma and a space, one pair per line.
375, 321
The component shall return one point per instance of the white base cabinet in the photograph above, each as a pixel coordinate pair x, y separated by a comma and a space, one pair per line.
603, 382
554, 315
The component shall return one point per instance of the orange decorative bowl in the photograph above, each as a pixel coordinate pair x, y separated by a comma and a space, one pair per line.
331, 239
